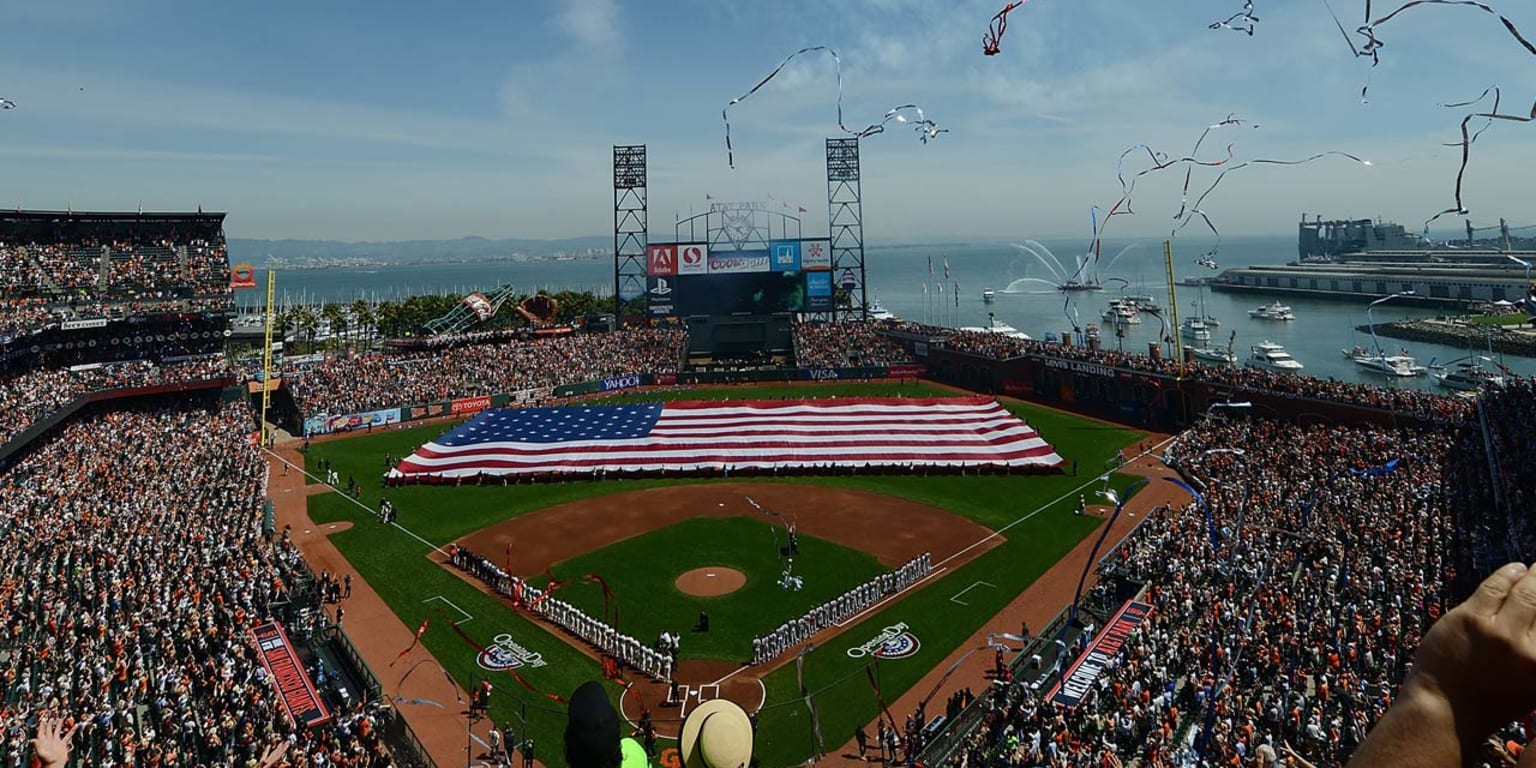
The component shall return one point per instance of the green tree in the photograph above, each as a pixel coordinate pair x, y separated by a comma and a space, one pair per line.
362, 318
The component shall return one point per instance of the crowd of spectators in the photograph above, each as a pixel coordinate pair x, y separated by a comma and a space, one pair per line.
81, 276
1240, 379
1495, 488
850, 344
360, 383
132, 566
1287, 627
29, 396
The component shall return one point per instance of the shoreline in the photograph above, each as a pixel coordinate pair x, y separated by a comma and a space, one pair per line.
1459, 333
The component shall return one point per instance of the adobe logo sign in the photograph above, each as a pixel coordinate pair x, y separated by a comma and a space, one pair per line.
691, 260
661, 259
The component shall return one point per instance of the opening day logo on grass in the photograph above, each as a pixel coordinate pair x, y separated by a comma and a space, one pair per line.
505, 653
893, 642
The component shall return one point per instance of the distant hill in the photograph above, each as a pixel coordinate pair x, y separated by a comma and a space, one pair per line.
464, 249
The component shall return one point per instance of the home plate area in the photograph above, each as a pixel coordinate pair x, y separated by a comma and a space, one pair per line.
698, 681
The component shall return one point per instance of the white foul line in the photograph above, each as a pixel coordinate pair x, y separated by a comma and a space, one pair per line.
361, 505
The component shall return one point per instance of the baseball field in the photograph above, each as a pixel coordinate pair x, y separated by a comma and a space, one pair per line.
652, 554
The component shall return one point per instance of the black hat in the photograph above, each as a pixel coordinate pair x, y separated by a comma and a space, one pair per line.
592, 729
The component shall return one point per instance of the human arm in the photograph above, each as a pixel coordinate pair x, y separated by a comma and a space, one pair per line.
1474, 671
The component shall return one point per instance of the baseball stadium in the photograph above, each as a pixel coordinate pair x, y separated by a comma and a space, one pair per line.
510, 534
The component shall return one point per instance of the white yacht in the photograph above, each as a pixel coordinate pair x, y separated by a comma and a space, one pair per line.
988, 295
1213, 355
999, 328
1196, 330
1269, 356
1391, 365
877, 312
1469, 377
1122, 312
1401, 365
1275, 311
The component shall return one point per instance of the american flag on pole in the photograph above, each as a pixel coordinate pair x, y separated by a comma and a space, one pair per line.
752, 434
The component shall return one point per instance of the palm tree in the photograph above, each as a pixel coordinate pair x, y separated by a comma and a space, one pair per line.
336, 319
362, 317
305, 322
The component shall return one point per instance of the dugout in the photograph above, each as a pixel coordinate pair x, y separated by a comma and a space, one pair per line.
740, 339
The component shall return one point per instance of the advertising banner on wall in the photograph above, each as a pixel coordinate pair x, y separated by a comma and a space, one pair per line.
818, 291
731, 261
428, 411
294, 689
620, 382
324, 425
467, 405
815, 255
658, 293
661, 259
785, 255
691, 259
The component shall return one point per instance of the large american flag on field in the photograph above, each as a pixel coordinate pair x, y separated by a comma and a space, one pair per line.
715, 435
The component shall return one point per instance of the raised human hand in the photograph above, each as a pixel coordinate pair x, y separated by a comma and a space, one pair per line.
50, 744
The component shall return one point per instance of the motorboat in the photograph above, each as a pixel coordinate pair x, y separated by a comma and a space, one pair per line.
1195, 329
1145, 304
1211, 322
988, 295
1122, 312
1275, 311
1391, 365
1212, 355
1269, 356
1401, 365
877, 312
999, 328
1469, 377
1080, 285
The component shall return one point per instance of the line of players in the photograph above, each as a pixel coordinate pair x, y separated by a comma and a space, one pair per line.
796, 631
605, 638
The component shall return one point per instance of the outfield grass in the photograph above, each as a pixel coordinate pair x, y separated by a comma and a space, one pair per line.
648, 566
395, 564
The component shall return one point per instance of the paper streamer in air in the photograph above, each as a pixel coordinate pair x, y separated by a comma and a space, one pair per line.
1468, 138
1210, 520
417, 639
992, 39
1371, 47
1242, 21
926, 129
1187, 214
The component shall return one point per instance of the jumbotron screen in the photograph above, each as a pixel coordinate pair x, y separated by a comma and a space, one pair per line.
758, 293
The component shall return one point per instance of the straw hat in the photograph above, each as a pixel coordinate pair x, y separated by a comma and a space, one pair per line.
717, 734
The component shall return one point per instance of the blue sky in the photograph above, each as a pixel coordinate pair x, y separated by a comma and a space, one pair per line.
388, 120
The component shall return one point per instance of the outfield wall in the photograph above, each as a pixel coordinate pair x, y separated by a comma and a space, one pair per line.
1138, 398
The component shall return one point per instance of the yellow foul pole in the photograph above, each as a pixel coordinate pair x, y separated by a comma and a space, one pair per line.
266, 357
1173, 303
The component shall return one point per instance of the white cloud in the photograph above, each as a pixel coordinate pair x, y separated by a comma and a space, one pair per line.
593, 23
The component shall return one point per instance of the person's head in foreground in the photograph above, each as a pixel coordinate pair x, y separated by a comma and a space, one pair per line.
717, 734
592, 731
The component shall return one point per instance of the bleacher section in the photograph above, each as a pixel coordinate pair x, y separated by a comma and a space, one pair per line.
66, 270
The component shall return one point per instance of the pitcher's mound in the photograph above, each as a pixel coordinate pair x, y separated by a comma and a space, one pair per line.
712, 581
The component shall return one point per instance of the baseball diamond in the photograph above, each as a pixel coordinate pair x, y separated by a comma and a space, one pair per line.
616, 550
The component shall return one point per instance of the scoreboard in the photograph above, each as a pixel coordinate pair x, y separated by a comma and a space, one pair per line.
694, 279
